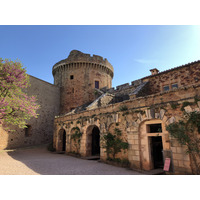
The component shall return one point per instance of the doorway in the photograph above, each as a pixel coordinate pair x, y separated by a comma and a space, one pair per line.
95, 141
64, 141
156, 151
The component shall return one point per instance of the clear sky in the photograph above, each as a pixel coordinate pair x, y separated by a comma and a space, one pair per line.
132, 50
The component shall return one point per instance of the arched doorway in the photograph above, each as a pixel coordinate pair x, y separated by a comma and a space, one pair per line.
62, 140
93, 141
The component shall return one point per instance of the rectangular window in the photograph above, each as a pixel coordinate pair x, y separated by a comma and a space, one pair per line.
72, 77
154, 128
97, 84
166, 88
174, 86
28, 130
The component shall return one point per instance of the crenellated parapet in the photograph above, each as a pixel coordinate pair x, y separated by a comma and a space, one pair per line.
78, 76
77, 59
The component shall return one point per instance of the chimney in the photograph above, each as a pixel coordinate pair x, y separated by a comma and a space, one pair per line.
154, 71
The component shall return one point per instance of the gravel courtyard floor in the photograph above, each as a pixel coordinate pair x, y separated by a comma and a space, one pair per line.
35, 161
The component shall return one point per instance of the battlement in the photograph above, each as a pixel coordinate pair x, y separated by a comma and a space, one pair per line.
77, 58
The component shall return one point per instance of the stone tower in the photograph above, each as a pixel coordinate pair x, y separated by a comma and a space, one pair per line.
78, 75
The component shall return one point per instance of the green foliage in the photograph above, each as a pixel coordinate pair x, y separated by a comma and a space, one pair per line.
196, 99
113, 143
123, 108
78, 122
16, 107
186, 133
174, 105
51, 148
76, 137
184, 104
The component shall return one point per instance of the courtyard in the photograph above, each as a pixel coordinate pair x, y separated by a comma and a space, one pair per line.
39, 161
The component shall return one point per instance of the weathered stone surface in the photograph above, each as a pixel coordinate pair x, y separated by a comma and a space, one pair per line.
162, 113
188, 109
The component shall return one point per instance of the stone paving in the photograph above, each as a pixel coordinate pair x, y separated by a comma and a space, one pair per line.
36, 161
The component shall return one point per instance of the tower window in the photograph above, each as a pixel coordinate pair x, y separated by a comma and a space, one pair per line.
97, 84
71, 76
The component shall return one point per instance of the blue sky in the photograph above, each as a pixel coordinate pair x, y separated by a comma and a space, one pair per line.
132, 50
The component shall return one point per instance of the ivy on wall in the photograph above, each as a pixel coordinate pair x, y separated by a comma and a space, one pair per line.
113, 143
76, 137
187, 133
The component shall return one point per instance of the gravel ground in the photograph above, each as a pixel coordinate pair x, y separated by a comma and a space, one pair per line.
35, 161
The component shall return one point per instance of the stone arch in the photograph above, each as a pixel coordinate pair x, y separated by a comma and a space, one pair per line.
61, 142
92, 140
153, 139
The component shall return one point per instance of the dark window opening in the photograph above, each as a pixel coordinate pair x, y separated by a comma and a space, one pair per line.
166, 88
97, 84
28, 130
154, 128
174, 86
72, 77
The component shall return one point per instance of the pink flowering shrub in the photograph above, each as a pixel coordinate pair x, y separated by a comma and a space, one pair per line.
16, 107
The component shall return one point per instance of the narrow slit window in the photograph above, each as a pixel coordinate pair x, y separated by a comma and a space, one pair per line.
71, 77
97, 84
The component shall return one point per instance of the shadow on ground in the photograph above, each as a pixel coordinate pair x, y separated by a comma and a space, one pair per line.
44, 162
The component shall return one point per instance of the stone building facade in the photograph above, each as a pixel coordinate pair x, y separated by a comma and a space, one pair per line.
148, 104
40, 130
82, 103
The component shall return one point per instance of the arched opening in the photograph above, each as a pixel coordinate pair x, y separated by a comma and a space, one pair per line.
93, 141
62, 140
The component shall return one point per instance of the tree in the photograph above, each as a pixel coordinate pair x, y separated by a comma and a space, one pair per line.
16, 107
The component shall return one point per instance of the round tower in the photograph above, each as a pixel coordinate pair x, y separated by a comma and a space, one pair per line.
78, 75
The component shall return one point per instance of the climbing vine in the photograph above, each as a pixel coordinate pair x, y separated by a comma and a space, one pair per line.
187, 133
76, 137
113, 143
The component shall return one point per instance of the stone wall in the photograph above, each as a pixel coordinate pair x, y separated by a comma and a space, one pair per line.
133, 122
184, 75
41, 129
